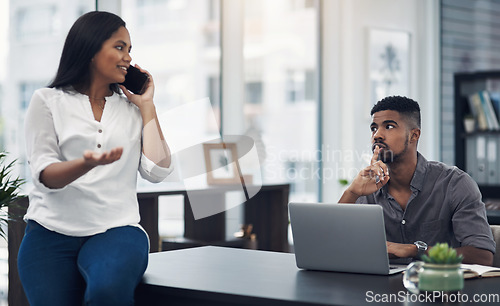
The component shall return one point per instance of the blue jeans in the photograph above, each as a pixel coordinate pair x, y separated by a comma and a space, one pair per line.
102, 269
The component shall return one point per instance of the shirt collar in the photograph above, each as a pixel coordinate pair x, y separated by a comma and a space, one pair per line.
417, 181
418, 178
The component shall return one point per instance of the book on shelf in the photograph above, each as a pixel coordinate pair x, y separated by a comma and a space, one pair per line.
476, 271
489, 111
495, 100
493, 89
477, 110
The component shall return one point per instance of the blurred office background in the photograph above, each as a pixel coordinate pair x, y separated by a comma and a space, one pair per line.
292, 74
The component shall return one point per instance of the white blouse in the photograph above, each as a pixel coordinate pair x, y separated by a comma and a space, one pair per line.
60, 126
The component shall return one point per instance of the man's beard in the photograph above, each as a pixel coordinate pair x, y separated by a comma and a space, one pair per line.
389, 157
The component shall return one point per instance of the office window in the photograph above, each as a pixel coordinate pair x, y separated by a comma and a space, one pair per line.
310, 87
253, 92
301, 4
151, 14
37, 21
214, 90
172, 46
280, 65
300, 86
26, 90
211, 29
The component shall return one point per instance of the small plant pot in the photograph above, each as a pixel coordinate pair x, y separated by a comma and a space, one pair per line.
441, 277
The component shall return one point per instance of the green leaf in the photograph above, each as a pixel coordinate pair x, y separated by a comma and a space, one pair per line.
343, 182
9, 191
441, 253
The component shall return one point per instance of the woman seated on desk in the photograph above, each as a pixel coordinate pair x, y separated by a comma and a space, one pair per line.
87, 136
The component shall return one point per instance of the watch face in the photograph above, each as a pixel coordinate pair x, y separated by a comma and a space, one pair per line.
421, 245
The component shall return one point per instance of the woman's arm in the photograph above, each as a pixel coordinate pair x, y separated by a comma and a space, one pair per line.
154, 145
60, 174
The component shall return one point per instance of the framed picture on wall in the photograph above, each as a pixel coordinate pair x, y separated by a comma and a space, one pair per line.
221, 162
388, 64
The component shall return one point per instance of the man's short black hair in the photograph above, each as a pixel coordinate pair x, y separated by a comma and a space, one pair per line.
405, 106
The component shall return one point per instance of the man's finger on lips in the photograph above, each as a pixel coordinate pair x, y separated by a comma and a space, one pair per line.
375, 155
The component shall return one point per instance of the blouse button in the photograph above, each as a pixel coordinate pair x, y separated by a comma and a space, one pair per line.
100, 131
99, 145
403, 222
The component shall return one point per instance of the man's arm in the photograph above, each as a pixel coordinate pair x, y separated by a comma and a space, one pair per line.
348, 197
400, 250
470, 224
473, 255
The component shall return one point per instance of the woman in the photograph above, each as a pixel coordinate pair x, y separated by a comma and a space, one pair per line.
86, 138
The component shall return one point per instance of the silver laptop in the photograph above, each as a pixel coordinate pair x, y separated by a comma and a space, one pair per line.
340, 238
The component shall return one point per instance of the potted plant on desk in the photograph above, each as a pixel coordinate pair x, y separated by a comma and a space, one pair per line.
439, 271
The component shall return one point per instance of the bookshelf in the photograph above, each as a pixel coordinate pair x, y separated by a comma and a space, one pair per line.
466, 84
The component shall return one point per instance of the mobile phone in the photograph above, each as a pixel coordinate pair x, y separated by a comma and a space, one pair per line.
135, 80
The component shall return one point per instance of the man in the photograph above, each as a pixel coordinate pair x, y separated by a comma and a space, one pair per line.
424, 202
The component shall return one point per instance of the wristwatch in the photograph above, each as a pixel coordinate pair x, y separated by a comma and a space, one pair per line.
421, 248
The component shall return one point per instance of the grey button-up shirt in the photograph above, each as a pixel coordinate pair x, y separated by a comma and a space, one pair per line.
445, 206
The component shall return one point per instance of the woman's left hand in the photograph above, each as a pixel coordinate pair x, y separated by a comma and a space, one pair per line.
147, 97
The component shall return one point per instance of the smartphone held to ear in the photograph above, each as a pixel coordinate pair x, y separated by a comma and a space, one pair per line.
135, 80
